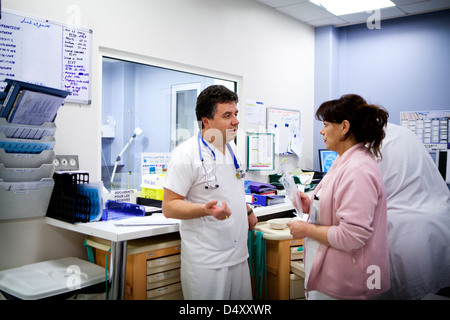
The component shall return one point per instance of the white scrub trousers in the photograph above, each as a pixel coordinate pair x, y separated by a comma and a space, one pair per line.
229, 283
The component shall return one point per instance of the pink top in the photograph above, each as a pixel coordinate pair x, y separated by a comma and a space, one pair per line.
353, 203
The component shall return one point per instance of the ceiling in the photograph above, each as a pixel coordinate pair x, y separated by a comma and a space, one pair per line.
316, 16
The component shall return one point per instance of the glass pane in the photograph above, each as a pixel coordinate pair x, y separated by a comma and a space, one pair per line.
159, 101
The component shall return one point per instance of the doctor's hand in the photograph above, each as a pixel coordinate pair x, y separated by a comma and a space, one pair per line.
212, 208
252, 221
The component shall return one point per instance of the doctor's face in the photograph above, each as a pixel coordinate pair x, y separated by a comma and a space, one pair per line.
224, 122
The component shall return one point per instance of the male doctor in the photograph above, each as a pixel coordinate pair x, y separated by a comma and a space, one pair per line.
204, 188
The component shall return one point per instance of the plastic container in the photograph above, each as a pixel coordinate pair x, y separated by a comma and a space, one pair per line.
152, 186
155, 192
50, 278
115, 210
66, 203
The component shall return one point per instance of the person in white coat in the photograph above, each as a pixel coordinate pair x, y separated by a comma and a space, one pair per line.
204, 188
418, 206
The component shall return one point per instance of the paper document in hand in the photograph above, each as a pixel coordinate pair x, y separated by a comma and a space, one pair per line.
153, 220
292, 192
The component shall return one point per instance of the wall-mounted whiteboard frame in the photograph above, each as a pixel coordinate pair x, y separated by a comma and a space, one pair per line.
260, 151
279, 122
47, 53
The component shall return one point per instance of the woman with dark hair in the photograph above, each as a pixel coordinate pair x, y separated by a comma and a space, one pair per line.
345, 239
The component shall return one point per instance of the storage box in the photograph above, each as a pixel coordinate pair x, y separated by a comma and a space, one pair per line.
155, 193
50, 278
152, 186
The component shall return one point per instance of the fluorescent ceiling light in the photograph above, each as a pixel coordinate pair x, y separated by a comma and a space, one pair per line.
341, 7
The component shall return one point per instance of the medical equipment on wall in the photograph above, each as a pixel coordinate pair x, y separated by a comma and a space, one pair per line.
240, 174
137, 132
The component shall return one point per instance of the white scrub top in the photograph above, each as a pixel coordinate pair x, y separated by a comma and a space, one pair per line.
206, 241
418, 205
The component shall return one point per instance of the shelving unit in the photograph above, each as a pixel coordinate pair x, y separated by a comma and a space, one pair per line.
27, 129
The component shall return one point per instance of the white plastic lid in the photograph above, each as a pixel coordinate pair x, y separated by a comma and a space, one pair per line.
50, 278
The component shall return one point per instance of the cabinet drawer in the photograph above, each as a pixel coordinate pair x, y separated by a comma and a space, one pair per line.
296, 286
296, 253
298, 268
163, 263
167, 292
170, 274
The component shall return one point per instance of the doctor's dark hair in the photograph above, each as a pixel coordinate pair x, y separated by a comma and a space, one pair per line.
209, 98
367, 121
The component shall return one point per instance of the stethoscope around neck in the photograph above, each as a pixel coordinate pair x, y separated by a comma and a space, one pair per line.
240, 174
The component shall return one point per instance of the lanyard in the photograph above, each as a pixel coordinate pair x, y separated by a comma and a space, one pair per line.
239, 172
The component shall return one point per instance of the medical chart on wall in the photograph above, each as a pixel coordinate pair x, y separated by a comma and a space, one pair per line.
285, 125
432, 127
255, 112
260, 153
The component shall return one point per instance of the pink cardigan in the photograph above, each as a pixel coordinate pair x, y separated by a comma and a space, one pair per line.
353, 203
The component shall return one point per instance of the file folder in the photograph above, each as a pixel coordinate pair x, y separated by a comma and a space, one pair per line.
264, 200
34, 108
120, 210
14, 87
258, 187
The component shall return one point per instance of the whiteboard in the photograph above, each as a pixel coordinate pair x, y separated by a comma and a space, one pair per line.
281, 122
45, 53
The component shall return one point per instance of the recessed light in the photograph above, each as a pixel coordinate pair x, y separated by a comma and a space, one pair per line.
342, 7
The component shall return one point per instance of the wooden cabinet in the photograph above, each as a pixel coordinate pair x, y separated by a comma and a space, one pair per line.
153, 267
282, 284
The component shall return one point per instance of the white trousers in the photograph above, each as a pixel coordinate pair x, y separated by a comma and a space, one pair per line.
230, 283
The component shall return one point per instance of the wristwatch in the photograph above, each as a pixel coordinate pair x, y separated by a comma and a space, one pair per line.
249, 212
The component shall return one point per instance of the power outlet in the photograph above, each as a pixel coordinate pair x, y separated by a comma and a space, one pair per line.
66, 162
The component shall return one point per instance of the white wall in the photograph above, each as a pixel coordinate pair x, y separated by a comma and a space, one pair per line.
271, 54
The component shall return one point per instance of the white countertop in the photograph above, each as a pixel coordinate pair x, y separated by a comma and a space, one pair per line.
107, 230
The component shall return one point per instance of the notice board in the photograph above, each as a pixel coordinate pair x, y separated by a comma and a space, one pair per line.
282, 122
46, 53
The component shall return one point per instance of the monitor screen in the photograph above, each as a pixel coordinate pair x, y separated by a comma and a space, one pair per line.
326, 159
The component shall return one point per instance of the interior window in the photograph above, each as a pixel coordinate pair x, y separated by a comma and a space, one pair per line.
146, 109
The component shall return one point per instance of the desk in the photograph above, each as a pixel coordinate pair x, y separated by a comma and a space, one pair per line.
119, 235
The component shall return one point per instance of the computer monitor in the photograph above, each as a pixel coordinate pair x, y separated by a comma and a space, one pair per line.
326, 159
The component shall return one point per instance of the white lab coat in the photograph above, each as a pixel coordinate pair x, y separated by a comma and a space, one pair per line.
208, 243
418, 203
